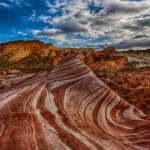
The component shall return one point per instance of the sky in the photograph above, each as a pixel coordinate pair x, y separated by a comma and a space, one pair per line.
123, 24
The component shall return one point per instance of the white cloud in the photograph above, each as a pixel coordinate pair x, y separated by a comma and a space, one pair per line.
44, 18
4, 5
54, 34
120, 20
33, 16
22, 33
35, 32
57, 35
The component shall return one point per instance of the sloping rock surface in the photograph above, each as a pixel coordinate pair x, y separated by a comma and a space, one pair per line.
69, 108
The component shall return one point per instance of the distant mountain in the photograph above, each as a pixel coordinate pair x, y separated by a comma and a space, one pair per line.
138, 51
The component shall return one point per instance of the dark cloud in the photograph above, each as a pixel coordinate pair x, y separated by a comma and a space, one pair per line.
71, 26
124, 44
121, 8
118, 21
100, 22
48, 33
132, 27
79, 15
131, 44
145, 22
83, 22
141, 36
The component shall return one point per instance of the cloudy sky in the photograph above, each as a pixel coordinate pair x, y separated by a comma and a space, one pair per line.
124, 24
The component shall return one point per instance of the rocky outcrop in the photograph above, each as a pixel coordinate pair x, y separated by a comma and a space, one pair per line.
69, 108
2, 72
109, 50
107, 53
14, 72
109, 62
88, 55
133, 85
18, 50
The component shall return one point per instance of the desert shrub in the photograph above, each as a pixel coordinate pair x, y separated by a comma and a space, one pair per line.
30, 64
126, 97
98, 74
120, 82
144, 106
2, 86
128, 90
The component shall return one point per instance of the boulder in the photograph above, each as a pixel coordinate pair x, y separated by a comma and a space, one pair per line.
14, 72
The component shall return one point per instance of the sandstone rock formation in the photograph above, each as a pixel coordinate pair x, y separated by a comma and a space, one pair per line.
22, 54
69, 108
2, 72
14, 72
109, 50
133, 85
17, 50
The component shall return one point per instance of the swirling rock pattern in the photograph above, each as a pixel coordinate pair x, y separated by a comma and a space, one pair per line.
69, 108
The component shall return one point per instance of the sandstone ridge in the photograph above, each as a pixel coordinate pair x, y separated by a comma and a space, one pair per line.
26, 54
69, 108
18, 50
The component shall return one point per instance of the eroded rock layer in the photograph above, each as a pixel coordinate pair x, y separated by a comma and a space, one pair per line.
69, 108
